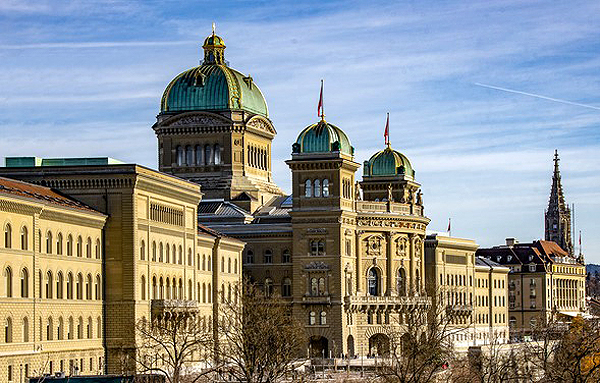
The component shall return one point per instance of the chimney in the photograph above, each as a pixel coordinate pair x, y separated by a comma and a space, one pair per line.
511, 241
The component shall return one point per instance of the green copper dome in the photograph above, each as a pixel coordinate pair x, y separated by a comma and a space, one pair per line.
213, 86
323, 137
388, 162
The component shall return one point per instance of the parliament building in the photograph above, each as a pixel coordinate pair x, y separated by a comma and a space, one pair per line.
91, 246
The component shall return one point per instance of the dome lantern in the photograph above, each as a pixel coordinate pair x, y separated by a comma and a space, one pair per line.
214, 49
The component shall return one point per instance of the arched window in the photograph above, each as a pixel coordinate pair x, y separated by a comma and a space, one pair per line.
80, 328
8, 281
79, 249
317, 188
323, 318
143, 288
60, 329
24, 238
249, 256
208, 157
180, 156
314, 287
180, 257
268, 258
59, 285
143, 250
59, 244
312, 318
229, 265
235, 266
97, 288
373, 282
161, 288
217, 154
209, 293
8, 236
308, 189
88, 287
8, 330
167, 253
190, 292
24, 283
199, 155
49, 283
70, 331
69, 286
154, 288
190, 261
160, 252
285, 256
268, 287
25, 330
97, 249
49, 329
79, 286
174, 254
325, 187
49, 242
153, 251
401, 282
98, 327
70, 245
189, 156
89, 328
321, 286
286, 288
88, 248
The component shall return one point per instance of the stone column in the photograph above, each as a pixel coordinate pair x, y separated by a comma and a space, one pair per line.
358, 263
411, 252
388, 264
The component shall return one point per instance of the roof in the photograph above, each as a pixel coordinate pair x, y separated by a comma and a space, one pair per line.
41, 194
15, 162
322, 137
538, 252
388, 162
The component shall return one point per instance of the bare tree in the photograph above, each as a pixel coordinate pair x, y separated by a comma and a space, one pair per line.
259, 340
171, 342
421, 341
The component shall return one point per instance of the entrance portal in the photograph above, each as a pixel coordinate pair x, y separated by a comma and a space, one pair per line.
379, 345
318, 347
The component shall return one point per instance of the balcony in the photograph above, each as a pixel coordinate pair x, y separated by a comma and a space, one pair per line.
385, 207
460, 309
163, 306
316, 300
394, 303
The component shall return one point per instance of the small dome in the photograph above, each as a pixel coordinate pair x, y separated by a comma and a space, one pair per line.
213, 41
323, 137
388, 162
213, 86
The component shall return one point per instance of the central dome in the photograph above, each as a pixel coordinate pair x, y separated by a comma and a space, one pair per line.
323, 137
213, 86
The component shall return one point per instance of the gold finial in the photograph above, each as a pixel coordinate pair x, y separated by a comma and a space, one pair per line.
213, 28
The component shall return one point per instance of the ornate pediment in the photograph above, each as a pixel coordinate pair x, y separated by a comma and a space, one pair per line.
195, 120
261, 124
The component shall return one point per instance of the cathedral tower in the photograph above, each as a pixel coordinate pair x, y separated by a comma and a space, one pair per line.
214, 129
558, 214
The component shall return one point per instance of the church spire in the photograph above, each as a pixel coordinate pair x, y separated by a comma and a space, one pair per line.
558, 214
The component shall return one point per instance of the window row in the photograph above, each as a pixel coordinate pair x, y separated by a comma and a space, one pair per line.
199, 155
312, 318
286, 256
59, 287
51, 330
55, 244
166, 288
258, 157
165, 253
316, 188
374, 286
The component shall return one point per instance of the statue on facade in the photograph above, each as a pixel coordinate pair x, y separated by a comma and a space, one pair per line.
390, 196
420, 198
357, 195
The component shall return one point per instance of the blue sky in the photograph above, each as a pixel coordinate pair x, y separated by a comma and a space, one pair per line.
84, 78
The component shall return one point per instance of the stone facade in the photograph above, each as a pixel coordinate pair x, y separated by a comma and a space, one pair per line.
153, 256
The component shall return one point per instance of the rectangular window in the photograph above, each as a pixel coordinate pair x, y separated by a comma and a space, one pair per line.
10, 374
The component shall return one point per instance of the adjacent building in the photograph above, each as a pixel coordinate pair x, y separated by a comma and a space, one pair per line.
126, 246
546, 279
